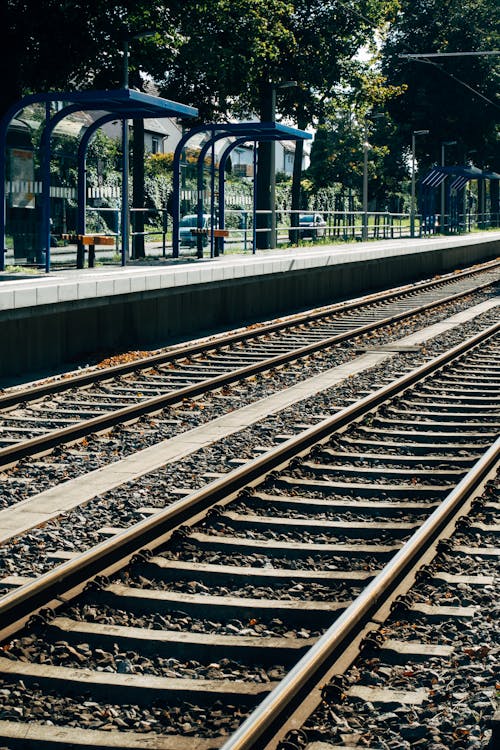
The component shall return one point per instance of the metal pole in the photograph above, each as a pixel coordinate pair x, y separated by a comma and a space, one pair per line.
222, 186
125, 165
254, 218
443, 202
4, 125
46, 156
412, 203
213, 247
365, 186
412, 207
444, 224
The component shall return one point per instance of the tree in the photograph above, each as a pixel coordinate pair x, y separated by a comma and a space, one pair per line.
455, 97
76, 44
61, 44
231, 53
356, 115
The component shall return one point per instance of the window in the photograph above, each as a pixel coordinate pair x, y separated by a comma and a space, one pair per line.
155, 145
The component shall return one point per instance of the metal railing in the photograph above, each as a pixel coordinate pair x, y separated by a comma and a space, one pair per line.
335, 227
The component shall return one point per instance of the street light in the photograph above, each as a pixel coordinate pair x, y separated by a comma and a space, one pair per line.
443, 201
126, 40
125, 144
366, 146
412, 205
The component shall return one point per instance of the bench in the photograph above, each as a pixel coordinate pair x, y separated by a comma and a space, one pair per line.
215, 232
90, 240
218, 234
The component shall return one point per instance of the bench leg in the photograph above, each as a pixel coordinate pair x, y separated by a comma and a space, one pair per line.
91, 256
199, 246
80, 254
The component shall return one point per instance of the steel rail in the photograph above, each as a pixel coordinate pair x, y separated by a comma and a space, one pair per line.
120, 548
88, 378
12, 453
300, 676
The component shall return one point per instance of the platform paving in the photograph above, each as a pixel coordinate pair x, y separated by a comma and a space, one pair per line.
23, 291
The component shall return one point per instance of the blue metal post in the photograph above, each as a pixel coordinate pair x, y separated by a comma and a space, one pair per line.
46, 157
212, 203
4, 126
222, 184
210, 144
176, 186
222, 178
199, 205
254, 211
125, 228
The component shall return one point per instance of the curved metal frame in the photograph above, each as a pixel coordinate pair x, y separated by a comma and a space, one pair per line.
222, 180
122, 104
255, 131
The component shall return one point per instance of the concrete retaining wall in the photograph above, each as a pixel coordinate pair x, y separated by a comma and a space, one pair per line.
53, 335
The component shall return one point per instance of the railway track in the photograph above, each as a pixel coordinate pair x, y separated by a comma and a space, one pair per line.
423, 672
197, 613
40, 417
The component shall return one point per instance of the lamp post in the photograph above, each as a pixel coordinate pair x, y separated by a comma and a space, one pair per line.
412, 204
443, 199
125, 145
366, 147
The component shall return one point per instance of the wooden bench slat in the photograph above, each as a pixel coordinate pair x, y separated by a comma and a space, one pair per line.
90, 239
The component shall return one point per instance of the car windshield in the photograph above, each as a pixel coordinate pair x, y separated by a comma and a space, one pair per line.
306, 219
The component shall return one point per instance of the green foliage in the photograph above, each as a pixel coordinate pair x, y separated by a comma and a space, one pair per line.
221, 55
157, 190
158, 165
225, 48
337, 156
446, 96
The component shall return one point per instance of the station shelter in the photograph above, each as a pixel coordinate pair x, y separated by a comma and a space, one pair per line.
27, 195
458, 210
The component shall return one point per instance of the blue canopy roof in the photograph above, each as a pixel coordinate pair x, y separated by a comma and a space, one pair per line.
125, 103
461, 174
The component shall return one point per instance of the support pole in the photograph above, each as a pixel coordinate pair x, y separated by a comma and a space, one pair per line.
254, 212
125, 176
46, 156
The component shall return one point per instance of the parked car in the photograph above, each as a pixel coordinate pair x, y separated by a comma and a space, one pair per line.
312, 225
429, 224
186, 237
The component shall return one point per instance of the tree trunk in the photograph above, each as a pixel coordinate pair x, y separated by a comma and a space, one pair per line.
138, 249
296, 179
495, 202
264, 168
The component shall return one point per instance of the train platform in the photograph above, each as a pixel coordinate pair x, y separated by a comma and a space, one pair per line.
61, 317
